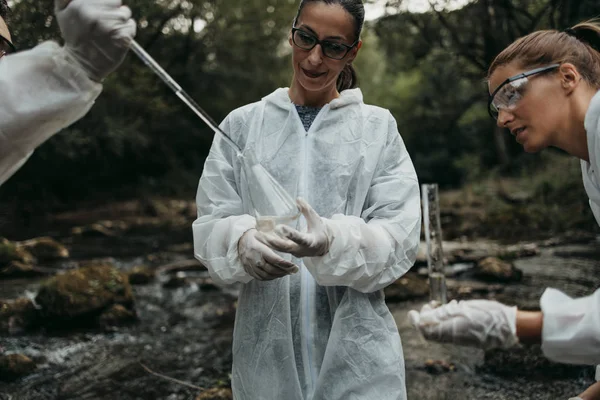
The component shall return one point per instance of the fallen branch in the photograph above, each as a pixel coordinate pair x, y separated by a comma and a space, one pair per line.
184, 265
171, 379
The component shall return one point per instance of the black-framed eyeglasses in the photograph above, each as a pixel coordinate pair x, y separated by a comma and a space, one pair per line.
331, 49
6, 47
511, 91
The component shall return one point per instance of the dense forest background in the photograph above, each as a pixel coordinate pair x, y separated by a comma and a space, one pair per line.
428, 68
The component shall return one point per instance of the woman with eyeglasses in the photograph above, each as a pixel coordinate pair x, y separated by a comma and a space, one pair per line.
311, 320
47, 88
544, 88
6, 44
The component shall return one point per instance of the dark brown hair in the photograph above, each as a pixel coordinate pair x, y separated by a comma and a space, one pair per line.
4, 10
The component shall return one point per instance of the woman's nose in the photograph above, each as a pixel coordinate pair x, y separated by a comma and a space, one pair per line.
316, 55
504, 117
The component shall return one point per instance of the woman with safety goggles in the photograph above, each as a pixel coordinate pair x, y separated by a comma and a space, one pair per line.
545, 89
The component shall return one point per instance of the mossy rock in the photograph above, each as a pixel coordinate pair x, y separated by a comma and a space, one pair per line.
44, 249
9, 252
84, 291
216, 394
495, 270
17, 316
15, 366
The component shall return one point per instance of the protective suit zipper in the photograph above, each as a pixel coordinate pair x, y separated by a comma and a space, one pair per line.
307, 280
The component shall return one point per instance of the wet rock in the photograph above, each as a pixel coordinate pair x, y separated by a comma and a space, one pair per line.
463, 290
15, 366
44, 249
519, 251
94, 230
17, 269
182, 266
17, 316
459, 252
176, 282
409, 286
84, 291
168, 207
438, 367
216, 394
116, 315
184, 248
101, 229
207, 285
141, 275
155, 208
495, 270
9, 251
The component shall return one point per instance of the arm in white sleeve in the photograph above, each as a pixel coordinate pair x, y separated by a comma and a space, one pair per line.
221, 220
368, 256
43, 91
571, 330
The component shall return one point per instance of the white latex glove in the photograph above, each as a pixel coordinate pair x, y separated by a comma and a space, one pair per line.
97, 33
260, 261
315, 242
575, 398
478, 323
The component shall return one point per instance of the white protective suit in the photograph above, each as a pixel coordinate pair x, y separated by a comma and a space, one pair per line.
43, 91
571, 330
325, 332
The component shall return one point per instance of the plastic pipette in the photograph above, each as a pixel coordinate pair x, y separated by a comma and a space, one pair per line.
269, 198
166, 78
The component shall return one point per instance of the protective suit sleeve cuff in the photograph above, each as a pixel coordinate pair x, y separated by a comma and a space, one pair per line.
219, 250
571, 327
360, 256
241, 226
76, 71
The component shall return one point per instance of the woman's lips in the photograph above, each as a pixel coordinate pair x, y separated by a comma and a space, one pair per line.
312, 74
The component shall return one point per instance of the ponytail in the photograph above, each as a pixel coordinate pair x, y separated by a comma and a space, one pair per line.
587, 32
4, 11
347, 78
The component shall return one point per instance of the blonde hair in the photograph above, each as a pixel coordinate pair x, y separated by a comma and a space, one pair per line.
579, 45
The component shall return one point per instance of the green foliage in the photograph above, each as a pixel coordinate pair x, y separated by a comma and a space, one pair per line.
437, 62
139, 134
555, 200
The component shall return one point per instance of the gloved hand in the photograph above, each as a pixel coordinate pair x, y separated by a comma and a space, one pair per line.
315, 242
97, 33
260, 261
478, 323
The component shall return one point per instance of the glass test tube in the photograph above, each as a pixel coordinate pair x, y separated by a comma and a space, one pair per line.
433, 237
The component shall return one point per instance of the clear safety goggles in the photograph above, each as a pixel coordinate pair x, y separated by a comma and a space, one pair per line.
511, 91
